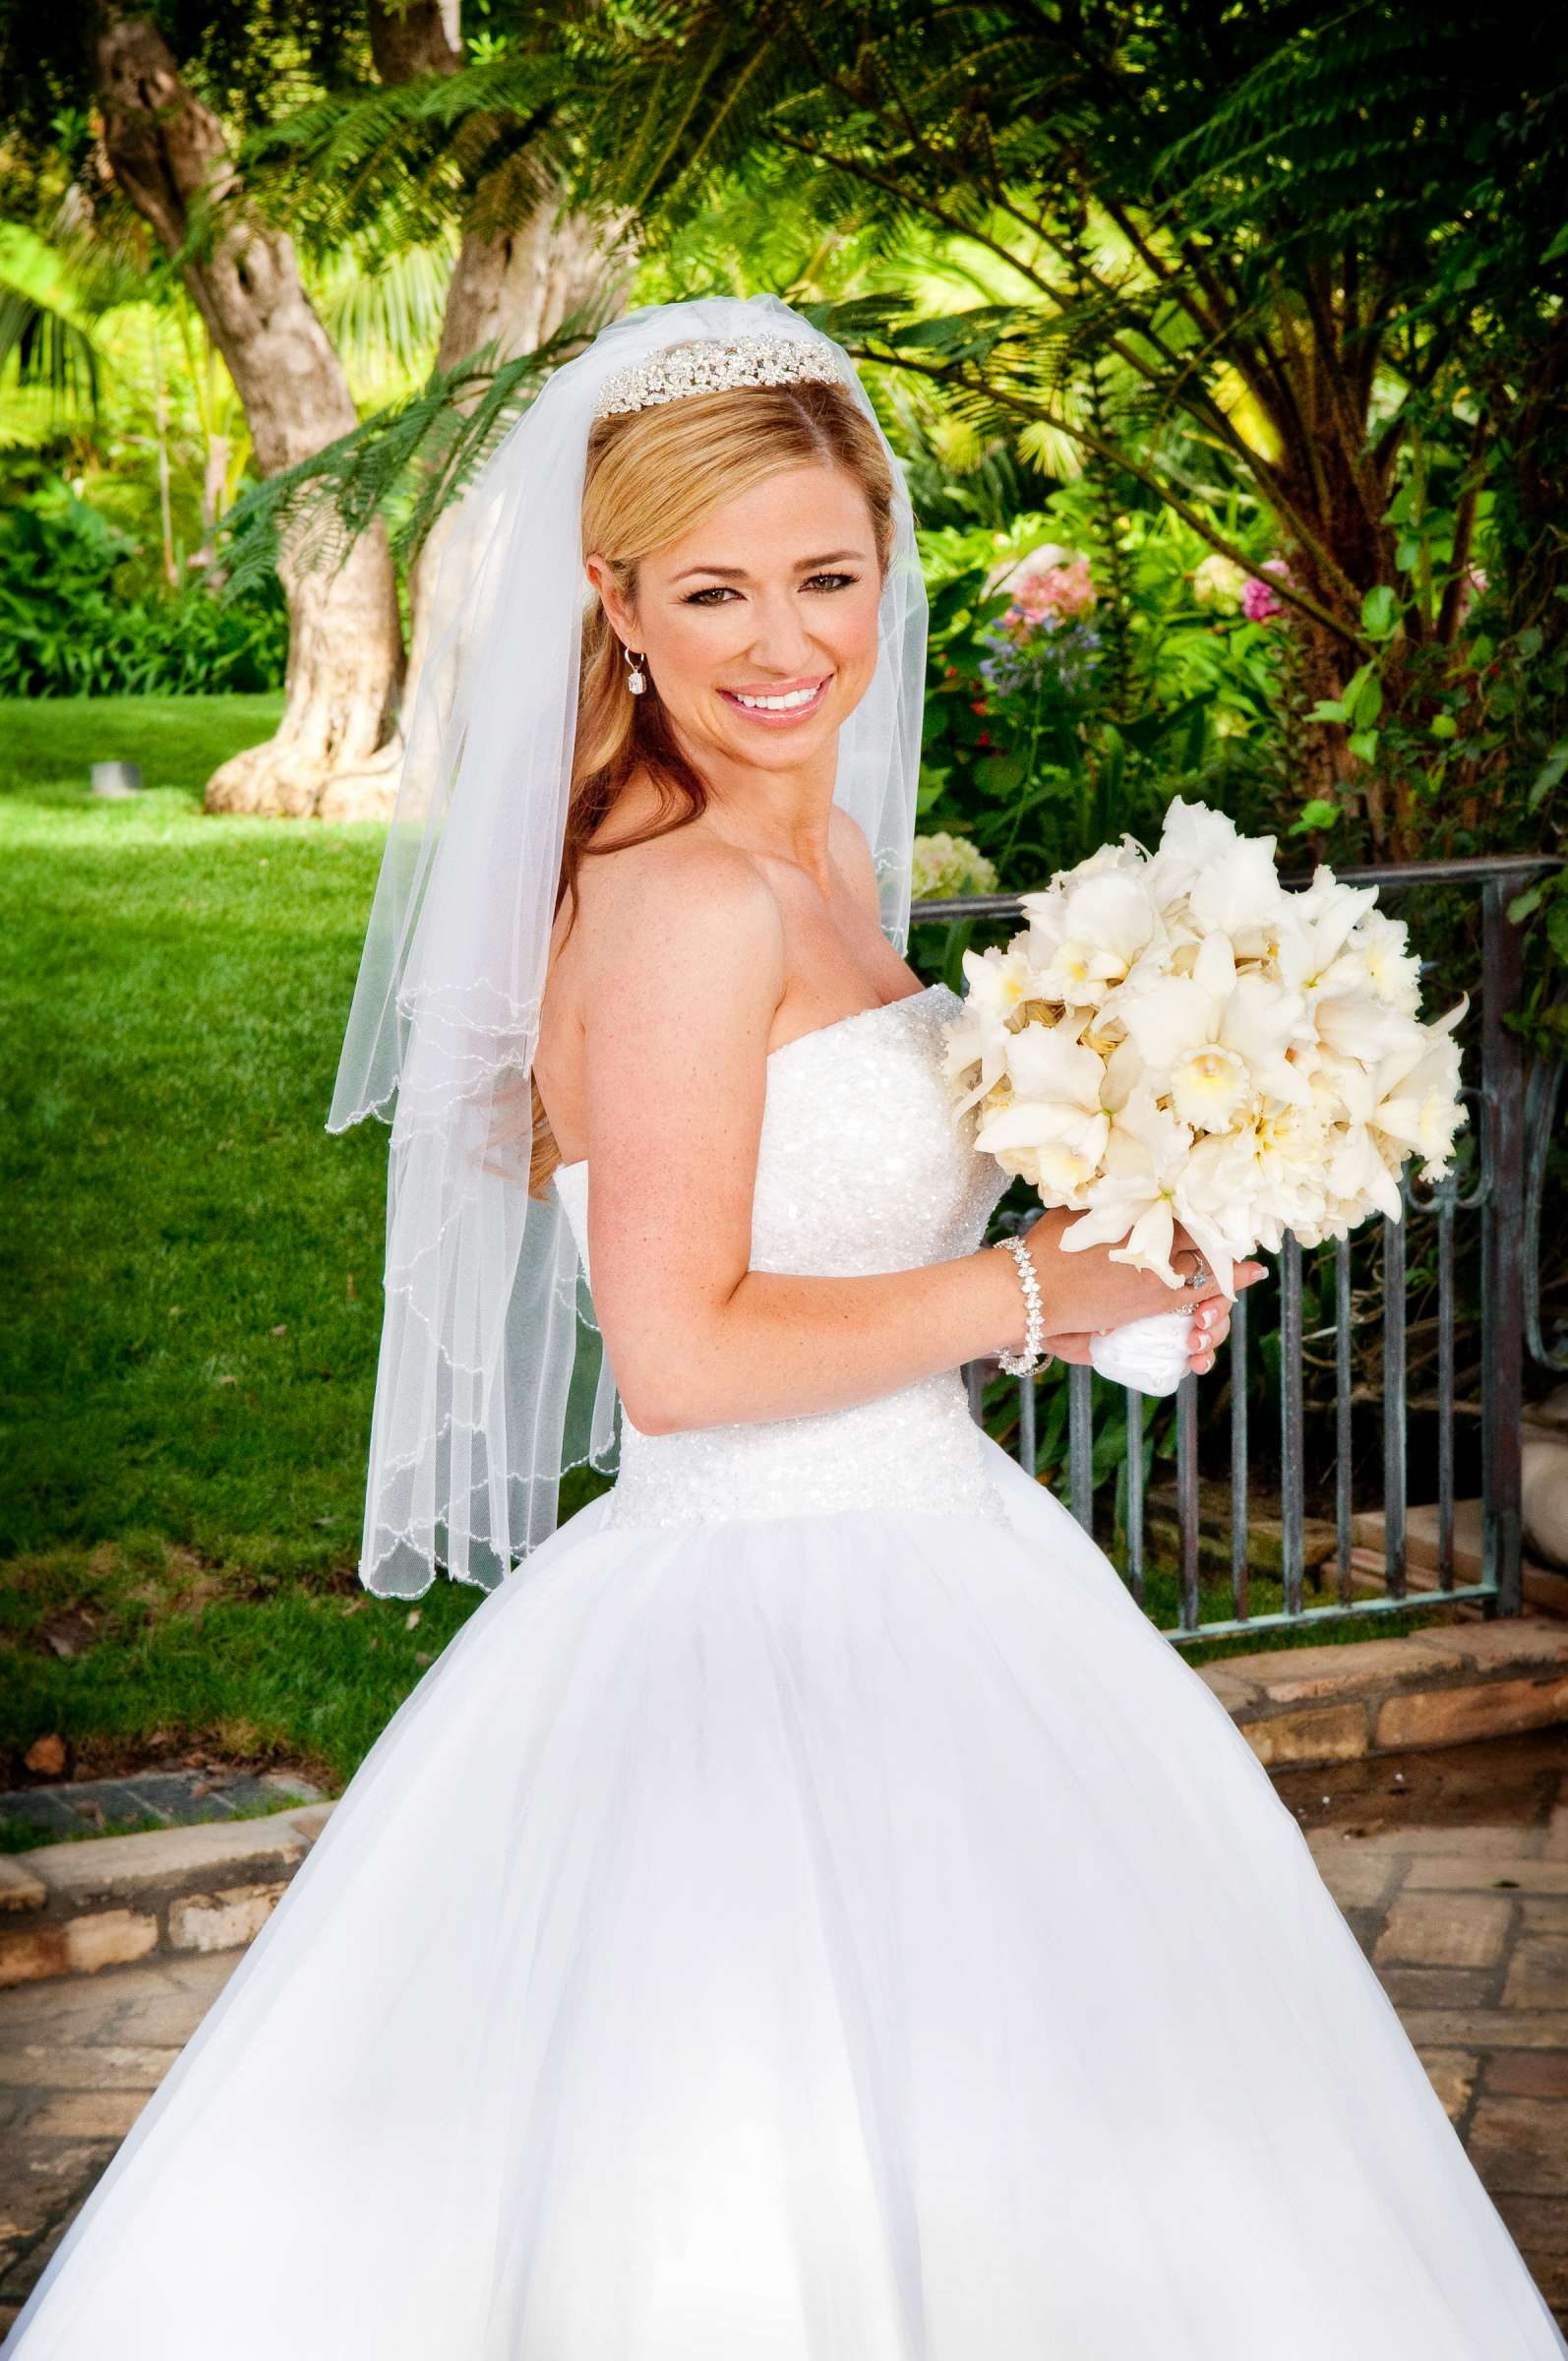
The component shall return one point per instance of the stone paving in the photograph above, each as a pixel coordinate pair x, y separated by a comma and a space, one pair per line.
1450, 1865
150, 1799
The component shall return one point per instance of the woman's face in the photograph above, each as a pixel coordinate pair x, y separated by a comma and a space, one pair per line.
760, 626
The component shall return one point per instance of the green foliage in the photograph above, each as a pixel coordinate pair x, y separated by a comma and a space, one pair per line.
66, 629
402, 466
481, 146
1036, 747
46, 328
244, 61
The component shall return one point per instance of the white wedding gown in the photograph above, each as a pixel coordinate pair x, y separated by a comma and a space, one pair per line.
806, 1913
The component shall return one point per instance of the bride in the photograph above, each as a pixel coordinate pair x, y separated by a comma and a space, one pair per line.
808, 1913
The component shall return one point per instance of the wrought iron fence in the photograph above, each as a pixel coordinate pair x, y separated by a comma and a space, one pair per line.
1501, 1187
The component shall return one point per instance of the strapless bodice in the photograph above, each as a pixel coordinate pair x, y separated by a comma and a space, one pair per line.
861, 1168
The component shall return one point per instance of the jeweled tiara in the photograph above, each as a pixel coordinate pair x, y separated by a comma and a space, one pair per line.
706, 366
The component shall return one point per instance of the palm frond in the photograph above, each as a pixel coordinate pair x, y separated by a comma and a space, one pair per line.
400, 467
48, 344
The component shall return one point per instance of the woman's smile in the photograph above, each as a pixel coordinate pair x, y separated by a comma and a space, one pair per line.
777, 707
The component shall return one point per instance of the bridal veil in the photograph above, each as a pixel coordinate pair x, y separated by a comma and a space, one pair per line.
492, 1378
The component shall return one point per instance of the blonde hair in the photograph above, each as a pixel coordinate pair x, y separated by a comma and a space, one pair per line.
651, 474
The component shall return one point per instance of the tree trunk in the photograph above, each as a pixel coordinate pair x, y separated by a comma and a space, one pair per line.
168, 153
509, 292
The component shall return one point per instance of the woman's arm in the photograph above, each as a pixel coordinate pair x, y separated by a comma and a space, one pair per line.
683, 972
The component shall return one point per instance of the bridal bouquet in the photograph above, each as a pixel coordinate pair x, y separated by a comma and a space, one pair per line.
1176, 1038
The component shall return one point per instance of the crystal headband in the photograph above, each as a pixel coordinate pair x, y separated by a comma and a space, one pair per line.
706, 366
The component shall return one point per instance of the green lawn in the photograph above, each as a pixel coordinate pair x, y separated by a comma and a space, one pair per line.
192, 1262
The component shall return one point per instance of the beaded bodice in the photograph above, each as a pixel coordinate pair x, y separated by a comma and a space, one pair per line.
860, 1169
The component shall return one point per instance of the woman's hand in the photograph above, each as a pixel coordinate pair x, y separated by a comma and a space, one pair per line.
1083, 1294
1103, 1290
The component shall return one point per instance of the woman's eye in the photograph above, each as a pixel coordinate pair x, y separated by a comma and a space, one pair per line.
716, 591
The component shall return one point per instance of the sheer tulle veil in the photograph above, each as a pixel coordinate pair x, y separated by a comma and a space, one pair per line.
492, 1378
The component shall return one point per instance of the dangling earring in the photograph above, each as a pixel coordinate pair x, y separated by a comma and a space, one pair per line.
635, 679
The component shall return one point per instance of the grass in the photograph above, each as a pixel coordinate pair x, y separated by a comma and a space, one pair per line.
192, 1264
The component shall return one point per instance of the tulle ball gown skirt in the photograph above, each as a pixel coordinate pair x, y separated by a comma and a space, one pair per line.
843, 1936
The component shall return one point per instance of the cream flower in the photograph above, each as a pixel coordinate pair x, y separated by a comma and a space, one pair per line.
1205, 876
1312, 947
1140, 1197
1213, 1038
1419, 1110
1392, 967
1054, 1125
998, 981
1087, 940
977, 1039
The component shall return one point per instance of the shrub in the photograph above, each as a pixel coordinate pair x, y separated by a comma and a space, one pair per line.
66, 629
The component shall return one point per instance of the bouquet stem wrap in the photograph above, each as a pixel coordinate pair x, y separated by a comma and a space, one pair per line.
1150, 1356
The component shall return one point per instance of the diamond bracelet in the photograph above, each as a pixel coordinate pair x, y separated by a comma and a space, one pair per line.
1020, 1365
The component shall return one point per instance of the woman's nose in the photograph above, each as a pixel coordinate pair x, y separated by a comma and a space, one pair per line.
781, 639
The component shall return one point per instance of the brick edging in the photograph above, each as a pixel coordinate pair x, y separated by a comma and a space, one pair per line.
68, 1910
1436, 1687
100, 1901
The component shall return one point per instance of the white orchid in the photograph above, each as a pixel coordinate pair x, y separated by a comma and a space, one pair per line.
1126, 854
1239, 895
1085, 942
1419, 1110
977, 1053
1215, 1038
1356, 1174
1313, 945
1392, 968
1264, 1175
1356, 1025
1053, 1132
977, 1040
1206, 877
998, 981
1195, 839
1140, 1197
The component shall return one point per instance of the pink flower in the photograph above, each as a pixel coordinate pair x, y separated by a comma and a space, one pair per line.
1260, 603
1475, 585
1049, 587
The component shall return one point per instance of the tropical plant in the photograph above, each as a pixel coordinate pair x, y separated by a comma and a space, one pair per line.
162, 115
1244, 251
70, 628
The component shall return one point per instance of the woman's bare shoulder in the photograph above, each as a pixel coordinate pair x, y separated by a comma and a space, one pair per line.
672, 903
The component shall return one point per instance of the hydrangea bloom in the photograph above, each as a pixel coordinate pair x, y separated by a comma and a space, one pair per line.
945, 867
1219, 581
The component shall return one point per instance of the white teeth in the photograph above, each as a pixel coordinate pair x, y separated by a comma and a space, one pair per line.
777, 704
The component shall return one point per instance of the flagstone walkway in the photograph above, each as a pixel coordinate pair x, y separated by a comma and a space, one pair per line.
1451, 1866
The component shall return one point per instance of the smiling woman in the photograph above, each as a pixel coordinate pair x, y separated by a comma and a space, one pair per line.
752, 662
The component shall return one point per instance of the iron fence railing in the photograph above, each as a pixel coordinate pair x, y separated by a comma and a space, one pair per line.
1502, 1187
